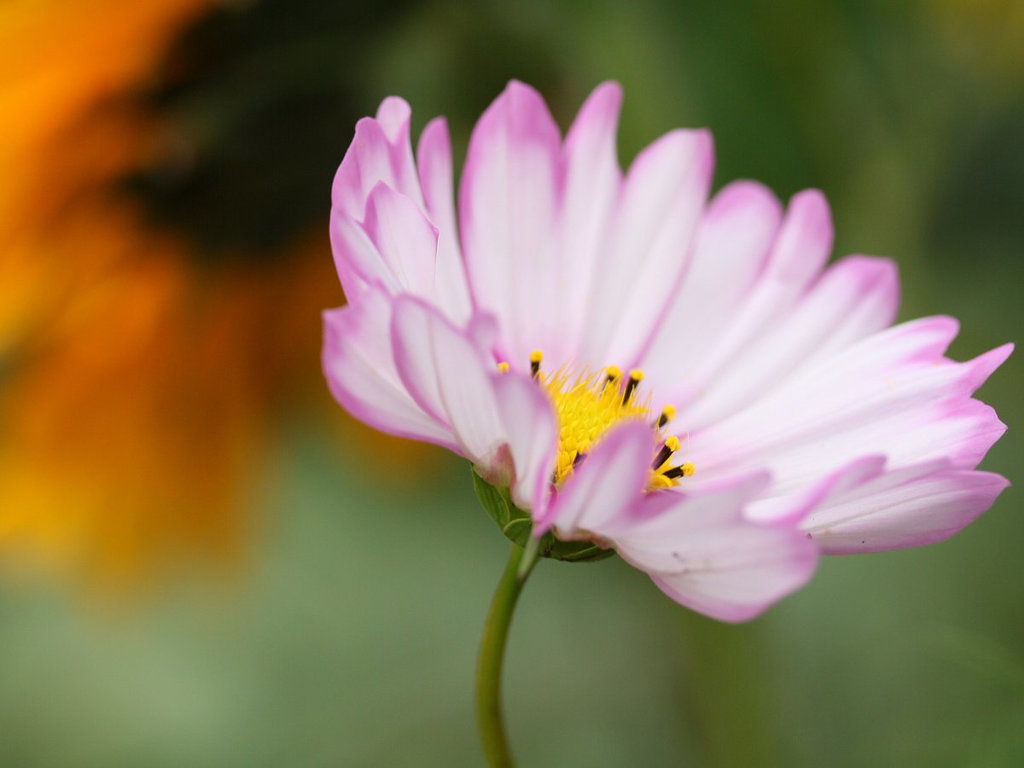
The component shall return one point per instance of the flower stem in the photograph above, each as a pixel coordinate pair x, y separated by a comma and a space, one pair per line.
492, 654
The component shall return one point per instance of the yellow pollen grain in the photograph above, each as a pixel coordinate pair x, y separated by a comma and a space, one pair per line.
503, 367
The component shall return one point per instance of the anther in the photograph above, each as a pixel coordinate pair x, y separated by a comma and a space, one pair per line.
503, 367
535, 357
683, 470
612, 375
667, 414
635, 377
671, 446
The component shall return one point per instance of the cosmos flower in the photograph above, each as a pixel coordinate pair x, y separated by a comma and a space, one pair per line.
681, 380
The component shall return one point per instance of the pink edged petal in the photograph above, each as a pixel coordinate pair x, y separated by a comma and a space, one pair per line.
504, 423
704, 552
531, 431
360, 370
732, 243
434, 159
906, 508
654, 524
591, 183
507, 214
743, 572
379, 152
649, 246
962, 431
603, 487
394, 117
887, 394
366, 163
798, 254
449, 376
792, 508
405, 240
357, 259
854, 298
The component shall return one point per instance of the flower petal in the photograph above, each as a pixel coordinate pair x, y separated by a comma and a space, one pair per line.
739, 572
592, 180
357, 259
394, 247
531, 432
854, 298
732, 243
360, 370
434, 159
604, 486
705, 553
801, 248
379, 152
887, 394
405, 240
448, 376
649, 245
507, 208
909, 508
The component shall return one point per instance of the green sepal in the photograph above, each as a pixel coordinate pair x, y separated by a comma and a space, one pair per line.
515, 525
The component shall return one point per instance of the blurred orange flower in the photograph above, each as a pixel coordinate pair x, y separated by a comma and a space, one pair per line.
136, 383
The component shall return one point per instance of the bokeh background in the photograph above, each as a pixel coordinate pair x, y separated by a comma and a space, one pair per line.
205, 562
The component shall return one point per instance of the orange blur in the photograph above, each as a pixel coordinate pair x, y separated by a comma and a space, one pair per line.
138, 387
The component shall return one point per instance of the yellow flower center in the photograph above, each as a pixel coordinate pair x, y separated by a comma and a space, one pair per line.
589, 404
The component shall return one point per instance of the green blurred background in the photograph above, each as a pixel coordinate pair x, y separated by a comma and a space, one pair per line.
343, 630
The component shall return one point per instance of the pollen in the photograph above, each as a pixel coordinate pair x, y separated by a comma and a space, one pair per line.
588, 404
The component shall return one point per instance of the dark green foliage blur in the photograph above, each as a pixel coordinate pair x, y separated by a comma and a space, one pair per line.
352, 640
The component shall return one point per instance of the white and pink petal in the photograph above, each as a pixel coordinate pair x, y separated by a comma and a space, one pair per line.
732, 242
610, 479
648, 248
917, 505
503, 423
360, 370
854, 298
508, 201
703, 550
799, 252
434, 160
884, 395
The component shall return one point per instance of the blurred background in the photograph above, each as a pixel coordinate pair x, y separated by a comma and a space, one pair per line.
205, 562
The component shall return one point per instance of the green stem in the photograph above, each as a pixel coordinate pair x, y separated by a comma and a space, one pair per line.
492, 653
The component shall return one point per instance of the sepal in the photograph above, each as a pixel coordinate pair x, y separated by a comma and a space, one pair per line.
516, 525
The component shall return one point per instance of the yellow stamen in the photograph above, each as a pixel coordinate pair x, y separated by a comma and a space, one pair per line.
589, 404
635, 377
671, 446
503, 367
535, 357
667, 414
683, 470
586, 409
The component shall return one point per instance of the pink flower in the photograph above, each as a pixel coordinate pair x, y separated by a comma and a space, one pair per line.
677, 378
